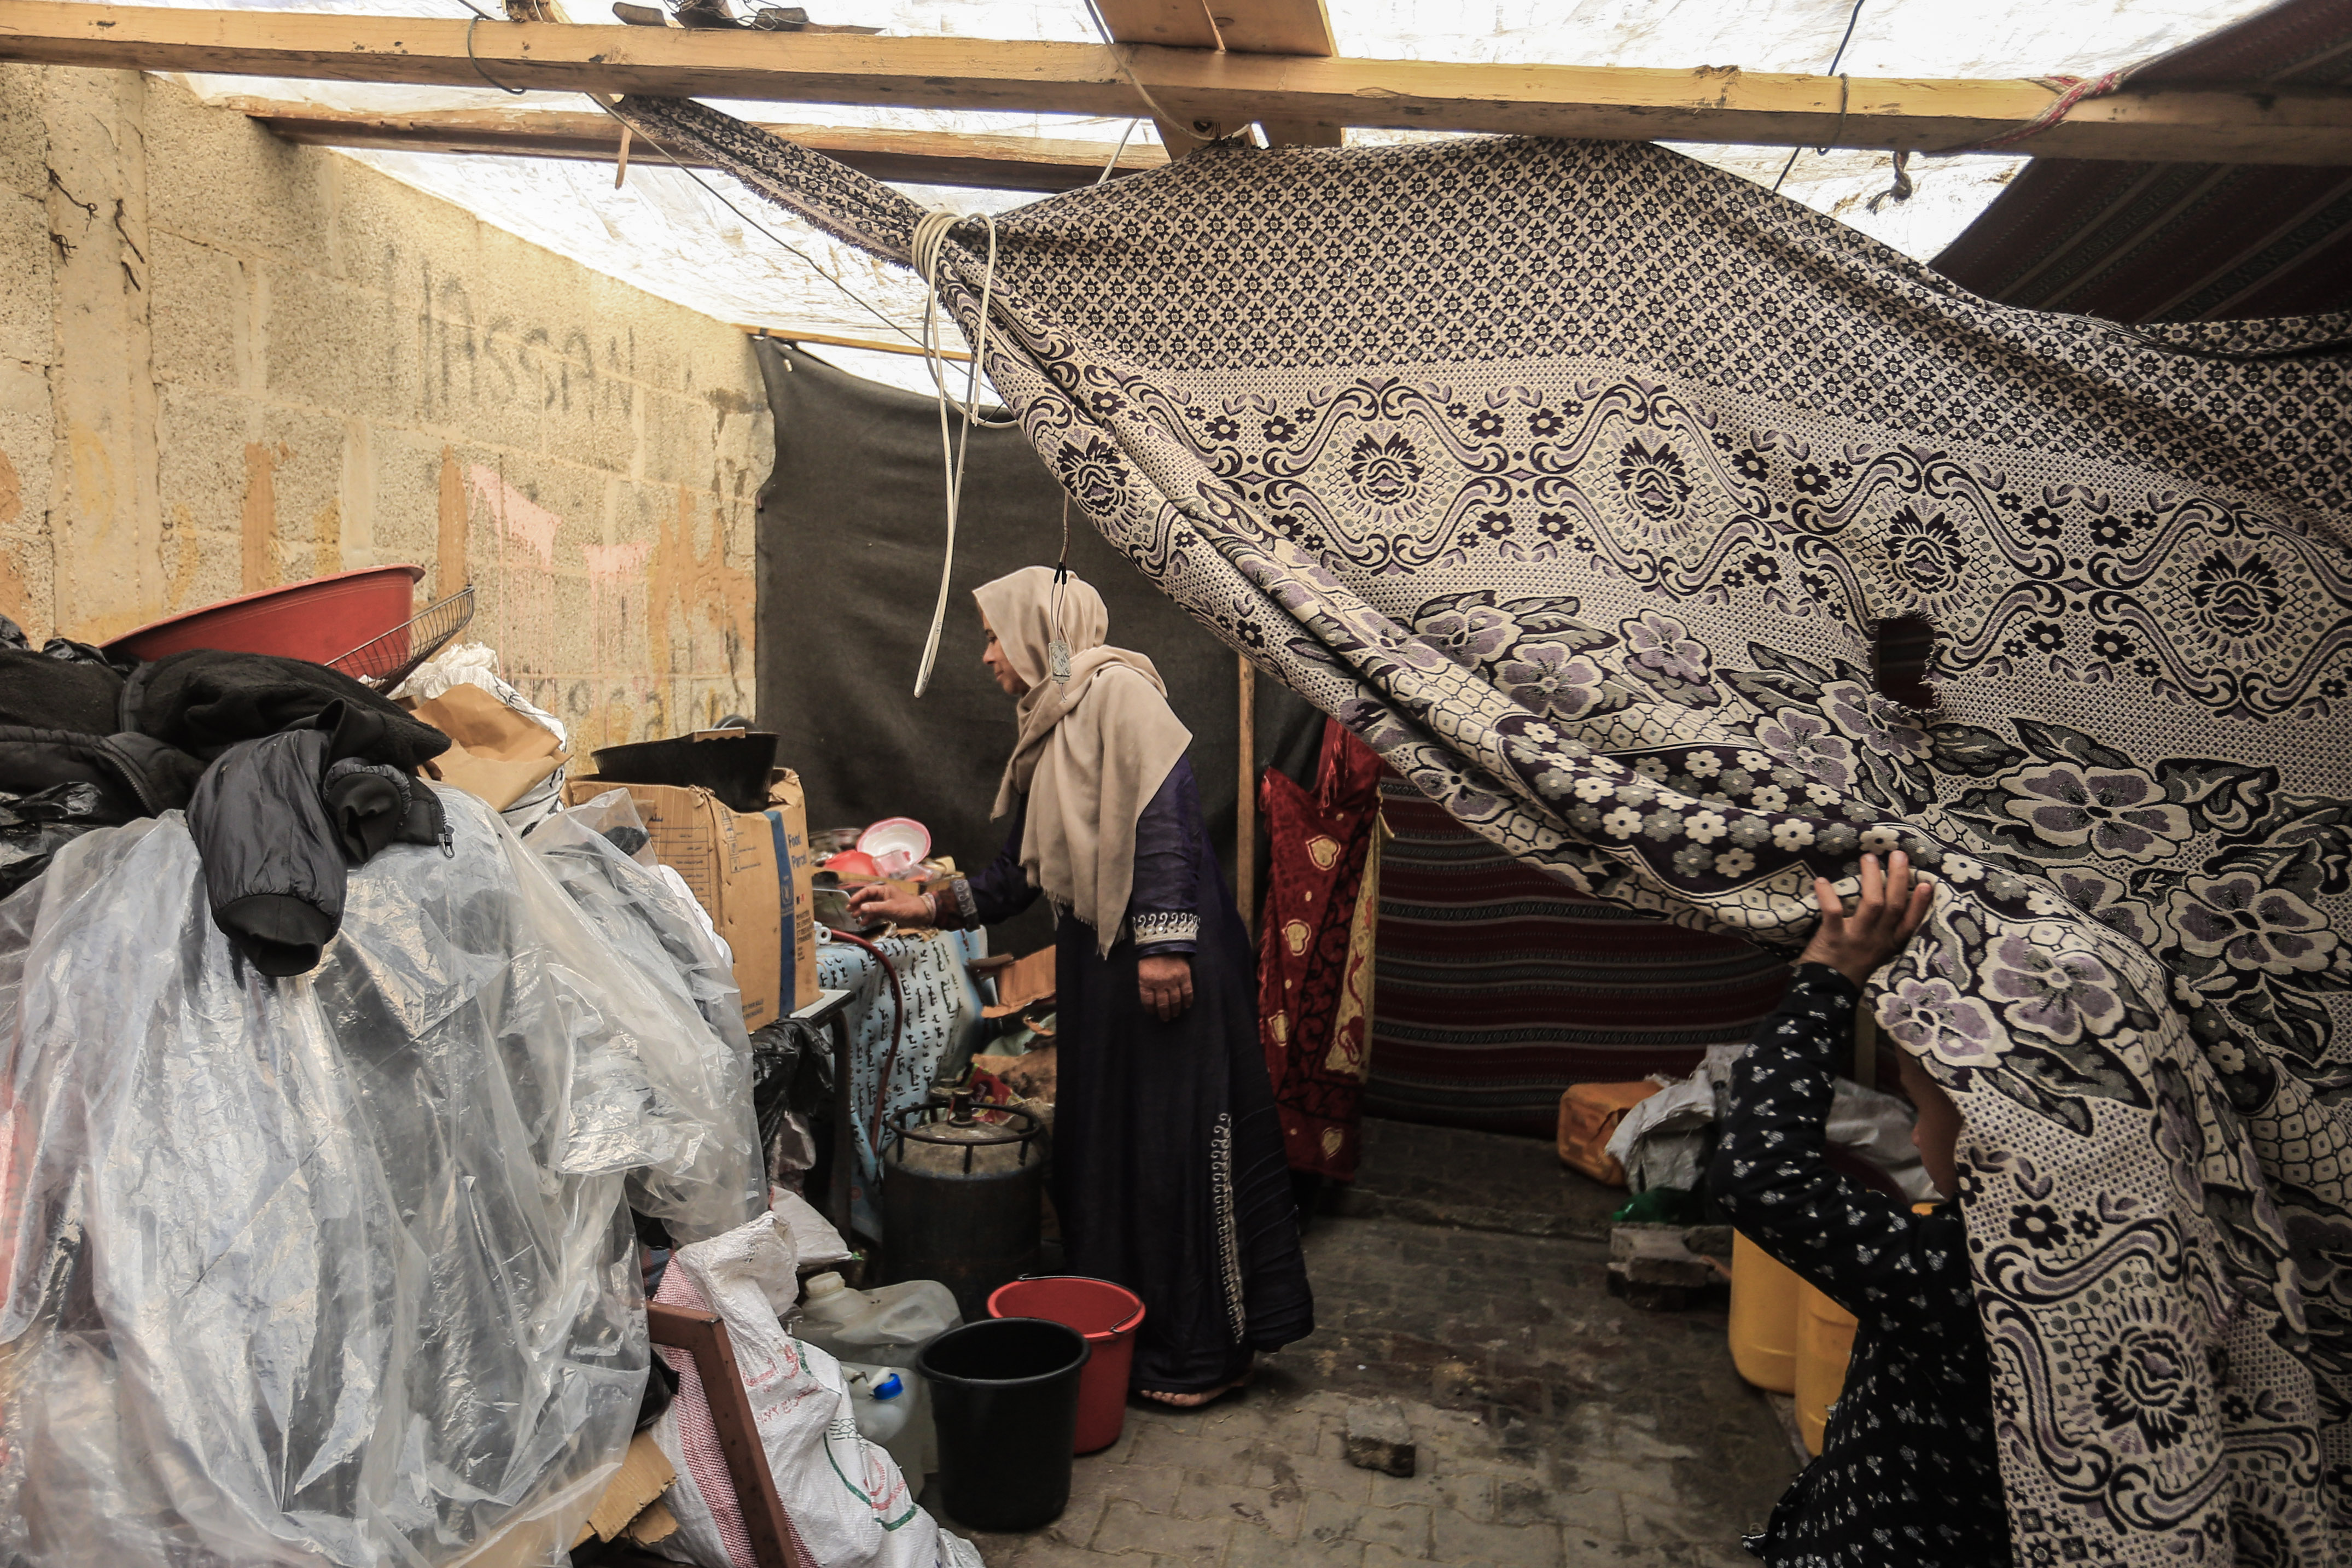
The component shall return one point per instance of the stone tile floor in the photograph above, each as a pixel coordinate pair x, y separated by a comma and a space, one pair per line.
1556, 1427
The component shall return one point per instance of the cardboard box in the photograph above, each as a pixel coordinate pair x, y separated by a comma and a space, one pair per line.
728, 862
495, 753
788, 824
1027, 979
636, 1487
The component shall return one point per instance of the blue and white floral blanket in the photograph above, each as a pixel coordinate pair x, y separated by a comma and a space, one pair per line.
940, 1022
1574, 478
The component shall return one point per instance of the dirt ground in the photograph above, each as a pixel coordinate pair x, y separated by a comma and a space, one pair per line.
1463, 1278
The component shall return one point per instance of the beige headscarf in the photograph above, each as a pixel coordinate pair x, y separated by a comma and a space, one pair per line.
1092, 752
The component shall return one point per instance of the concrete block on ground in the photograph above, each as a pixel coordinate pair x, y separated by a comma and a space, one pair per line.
1653, 1267
1378, 1438
1713, 1241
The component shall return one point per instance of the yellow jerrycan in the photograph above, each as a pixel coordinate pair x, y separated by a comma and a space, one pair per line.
1824, 1344
1763, 1317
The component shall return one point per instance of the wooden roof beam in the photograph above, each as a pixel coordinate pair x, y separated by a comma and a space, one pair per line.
1173, 24
1275, 28
2218, 124
1282, 27
915, 157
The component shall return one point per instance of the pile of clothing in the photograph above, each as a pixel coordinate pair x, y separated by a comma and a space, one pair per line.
325, 1102
290, 773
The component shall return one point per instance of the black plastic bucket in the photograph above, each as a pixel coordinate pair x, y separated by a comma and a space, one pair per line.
1005, 1395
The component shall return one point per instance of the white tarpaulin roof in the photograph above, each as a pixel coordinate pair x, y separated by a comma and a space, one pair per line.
669, 236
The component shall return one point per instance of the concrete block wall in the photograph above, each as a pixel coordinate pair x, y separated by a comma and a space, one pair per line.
228, 363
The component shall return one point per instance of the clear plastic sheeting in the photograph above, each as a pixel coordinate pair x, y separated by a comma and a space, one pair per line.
336, 1269
651, 919
672, 237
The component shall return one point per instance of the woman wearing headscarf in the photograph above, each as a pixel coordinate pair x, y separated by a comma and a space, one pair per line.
1169, 1173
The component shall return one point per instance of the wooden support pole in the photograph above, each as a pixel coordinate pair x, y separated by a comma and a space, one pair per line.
879, 345
1180, 24
1282, 27
919, 157
1275, 28
1177, 23
2216, 124
1245, 803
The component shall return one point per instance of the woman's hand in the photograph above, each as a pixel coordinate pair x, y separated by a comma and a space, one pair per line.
1890, 910
1165, 982
877, 902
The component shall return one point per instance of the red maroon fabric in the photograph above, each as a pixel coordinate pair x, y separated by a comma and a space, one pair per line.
1314, 952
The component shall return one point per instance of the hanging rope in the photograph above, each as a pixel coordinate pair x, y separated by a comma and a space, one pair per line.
929, 247
1118, 54
480, 18
1901, 189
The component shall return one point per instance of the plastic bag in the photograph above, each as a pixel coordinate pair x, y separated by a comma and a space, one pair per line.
848, 1504
792, 1082
333, 1267
1664, 1141
34, 827
1869, 1123
1875, 1127
705, 1071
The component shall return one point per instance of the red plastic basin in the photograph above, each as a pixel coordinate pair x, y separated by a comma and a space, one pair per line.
1107, 1315
319, 619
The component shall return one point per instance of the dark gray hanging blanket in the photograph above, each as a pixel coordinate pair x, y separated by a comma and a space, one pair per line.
1573, 478
851, 523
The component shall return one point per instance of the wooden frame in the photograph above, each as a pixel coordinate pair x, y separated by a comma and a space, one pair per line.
703, 1336
918, 157
2220, 123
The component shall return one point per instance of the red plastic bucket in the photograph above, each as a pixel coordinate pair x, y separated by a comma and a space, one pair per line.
1107, 1315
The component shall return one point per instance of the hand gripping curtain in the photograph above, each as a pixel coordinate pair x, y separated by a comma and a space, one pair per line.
1574, 478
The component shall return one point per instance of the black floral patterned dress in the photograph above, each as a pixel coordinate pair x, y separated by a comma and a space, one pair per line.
1909, 1473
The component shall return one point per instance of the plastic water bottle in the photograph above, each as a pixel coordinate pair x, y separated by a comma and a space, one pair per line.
893, 1410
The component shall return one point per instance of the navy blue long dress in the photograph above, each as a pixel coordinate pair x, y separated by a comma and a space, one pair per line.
1169, 1173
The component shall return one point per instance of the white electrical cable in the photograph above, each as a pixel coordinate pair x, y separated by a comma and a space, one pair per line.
1112, 161
929, 244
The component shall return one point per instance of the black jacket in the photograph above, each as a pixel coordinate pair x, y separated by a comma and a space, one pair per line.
279, 822
290, 773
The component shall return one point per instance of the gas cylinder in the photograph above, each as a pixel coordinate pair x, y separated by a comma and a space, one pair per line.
962, 1197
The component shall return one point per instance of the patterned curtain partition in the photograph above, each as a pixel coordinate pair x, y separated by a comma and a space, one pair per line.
1574, 478
1498, 987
